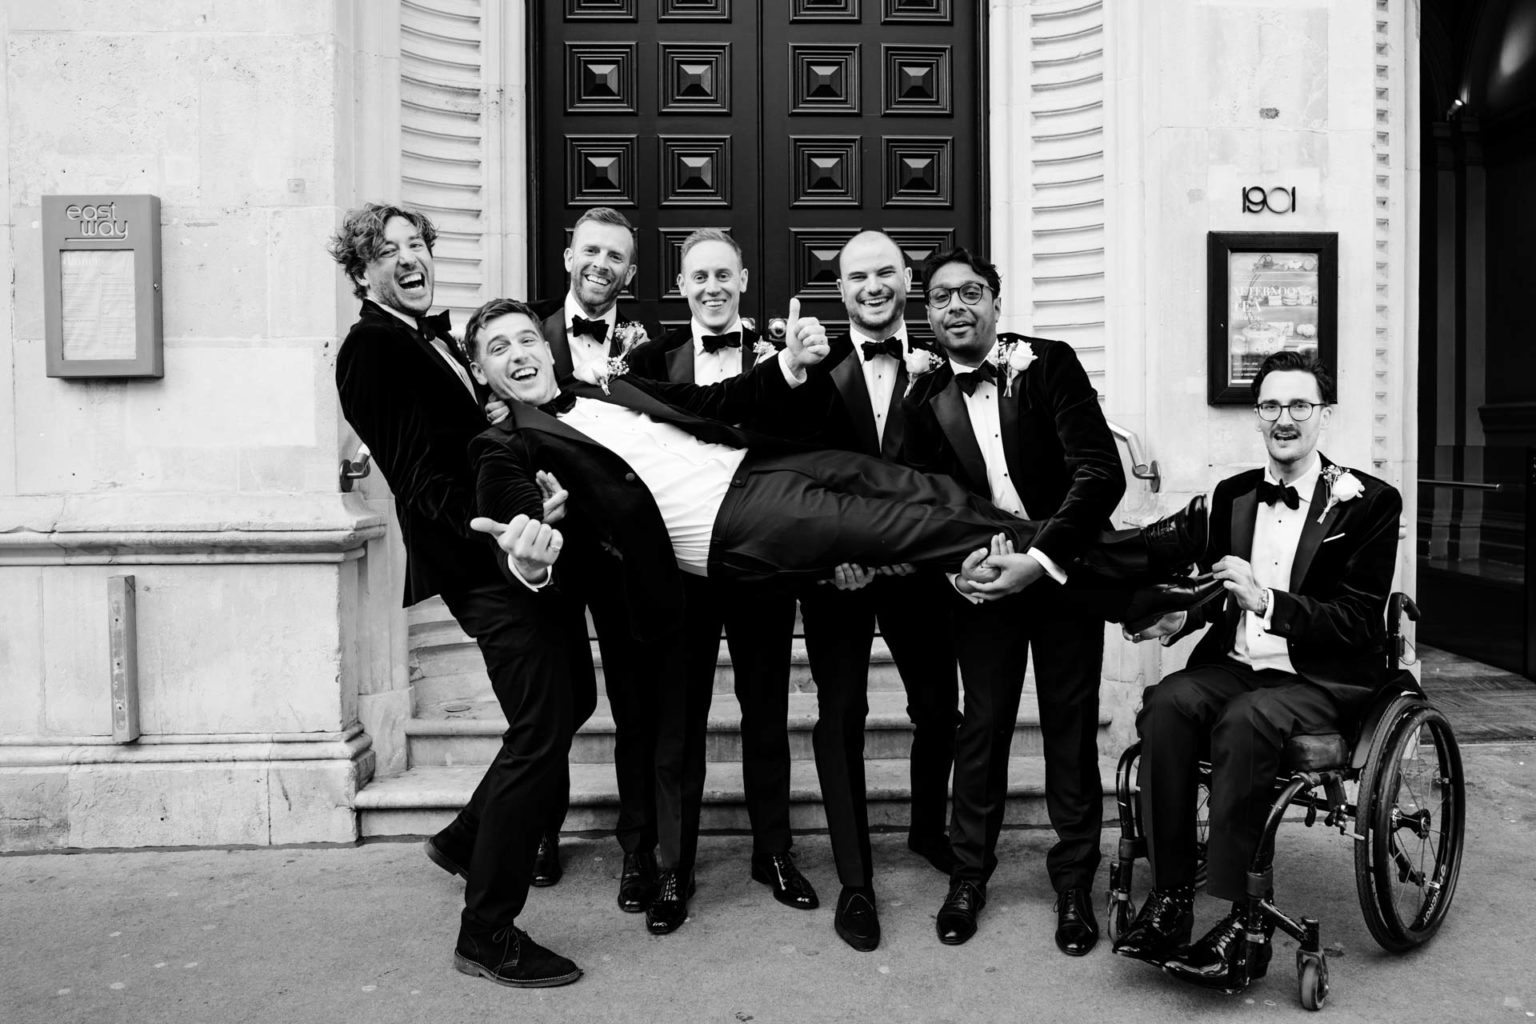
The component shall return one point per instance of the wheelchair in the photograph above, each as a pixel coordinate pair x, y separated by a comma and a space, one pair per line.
1393, 784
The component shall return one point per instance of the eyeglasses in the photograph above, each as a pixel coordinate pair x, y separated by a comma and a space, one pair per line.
1299, 410
970, 294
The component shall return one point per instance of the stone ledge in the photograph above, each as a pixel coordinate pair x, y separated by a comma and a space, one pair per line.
210, 750
127, 528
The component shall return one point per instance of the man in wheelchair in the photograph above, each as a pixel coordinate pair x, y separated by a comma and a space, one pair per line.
1305, 549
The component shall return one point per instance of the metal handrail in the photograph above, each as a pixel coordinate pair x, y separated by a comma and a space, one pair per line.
356, 469
1461, 485
1141, 467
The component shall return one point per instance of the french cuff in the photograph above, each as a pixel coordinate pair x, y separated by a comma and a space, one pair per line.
1049, 565
954, 581
549, 576
789, 374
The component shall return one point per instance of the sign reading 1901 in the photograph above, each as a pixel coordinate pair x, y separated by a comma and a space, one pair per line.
1258, 199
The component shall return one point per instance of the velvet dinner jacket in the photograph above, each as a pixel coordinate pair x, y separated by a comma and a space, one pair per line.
1332, 614
1060, 453
416, 417
560, 345
614, 533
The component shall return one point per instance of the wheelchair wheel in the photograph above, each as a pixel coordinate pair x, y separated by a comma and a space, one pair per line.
1412, 814
1311, 979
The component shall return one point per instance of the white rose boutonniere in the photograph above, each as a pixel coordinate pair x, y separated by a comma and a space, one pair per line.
626, 337
920, 360
1013, 358
1342, 486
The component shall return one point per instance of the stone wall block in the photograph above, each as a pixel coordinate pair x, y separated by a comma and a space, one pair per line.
76, 653
312, 802
215, 273
180, 805
21, 650
150, 17
300, 296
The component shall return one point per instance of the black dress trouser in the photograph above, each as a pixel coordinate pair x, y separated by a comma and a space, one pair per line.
536, 652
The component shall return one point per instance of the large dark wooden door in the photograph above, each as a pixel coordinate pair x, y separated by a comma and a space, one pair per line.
790, 123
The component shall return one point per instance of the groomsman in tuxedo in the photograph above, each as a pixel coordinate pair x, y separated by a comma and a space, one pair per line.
865, 376
405, 388
1016, 419
1305, 550
601, 263
758, 618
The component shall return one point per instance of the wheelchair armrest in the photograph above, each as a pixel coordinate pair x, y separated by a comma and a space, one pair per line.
1397, 604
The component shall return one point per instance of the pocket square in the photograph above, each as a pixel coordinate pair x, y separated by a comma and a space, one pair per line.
1330, 540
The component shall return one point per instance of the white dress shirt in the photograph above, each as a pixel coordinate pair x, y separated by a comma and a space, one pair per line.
584, 349
440, 347
1276, 534
714, 367
987, 424
879, 376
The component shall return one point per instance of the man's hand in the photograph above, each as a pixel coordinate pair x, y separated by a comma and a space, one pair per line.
1167, 625
805, 340
554, 496
1014, 571
852, 577
497, 410
1237, 576
533, 546
974, 570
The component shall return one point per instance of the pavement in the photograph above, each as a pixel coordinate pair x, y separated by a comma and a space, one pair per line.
365, 932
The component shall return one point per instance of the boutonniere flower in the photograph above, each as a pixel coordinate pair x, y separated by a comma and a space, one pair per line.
627, 336
921, 360
1013, 358
1342, 486
762, 348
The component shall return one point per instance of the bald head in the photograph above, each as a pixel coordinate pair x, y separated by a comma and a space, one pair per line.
873, 279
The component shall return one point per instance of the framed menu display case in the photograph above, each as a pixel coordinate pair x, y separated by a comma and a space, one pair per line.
1268, 291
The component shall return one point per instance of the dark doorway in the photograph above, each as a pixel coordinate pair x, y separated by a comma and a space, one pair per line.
1477, 360
790, 123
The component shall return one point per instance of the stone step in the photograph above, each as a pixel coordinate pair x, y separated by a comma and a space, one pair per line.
423, 800
468, 732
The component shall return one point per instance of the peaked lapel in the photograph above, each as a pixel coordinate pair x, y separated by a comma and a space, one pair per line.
680, 362
429, 351
1313, 531
848, 376
559, 345
528, 417
949, 409
1010, 418
895, 428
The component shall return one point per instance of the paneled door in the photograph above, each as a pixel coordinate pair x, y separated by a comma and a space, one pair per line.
790, 123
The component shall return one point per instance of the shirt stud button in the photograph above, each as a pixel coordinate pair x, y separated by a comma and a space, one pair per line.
629, 478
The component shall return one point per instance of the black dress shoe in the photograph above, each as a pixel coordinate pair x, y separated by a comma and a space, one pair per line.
1077, 930
1161, 927
508, 956
935, 849
1222, 959
444, 856
546, 863
856, 921
637, 882
1148, 604
669, 907
956, 921
1176, 541
789, 886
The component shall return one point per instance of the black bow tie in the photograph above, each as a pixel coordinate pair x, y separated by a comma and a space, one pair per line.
597, 330
889, 347
434, 326
716, 342
968, 380
562, 402
1270, 493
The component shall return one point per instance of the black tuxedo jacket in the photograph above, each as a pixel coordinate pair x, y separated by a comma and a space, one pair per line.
416, 417
671, 357
560, 345
847, 420
1058, 446
615, 536
1332, 614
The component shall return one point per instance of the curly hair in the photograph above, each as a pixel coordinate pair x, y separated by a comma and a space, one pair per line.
361, 236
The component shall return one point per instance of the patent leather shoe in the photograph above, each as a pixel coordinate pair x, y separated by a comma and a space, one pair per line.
546, 862
509, 957
934, 848
669, 906
956, 920
1162, 926
1223, 959
637, 882
789, 886
1148, 604
1077, 930
1177, 541
857, 923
